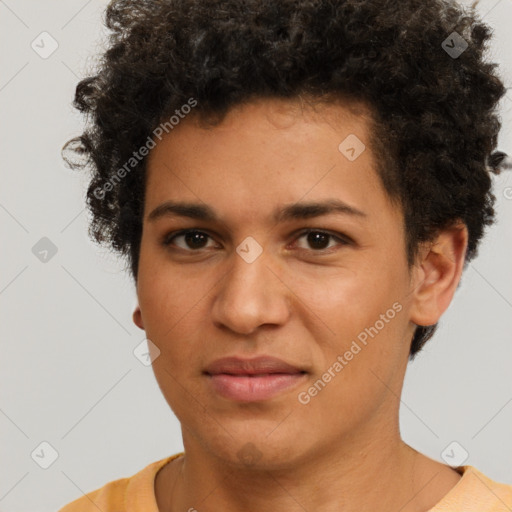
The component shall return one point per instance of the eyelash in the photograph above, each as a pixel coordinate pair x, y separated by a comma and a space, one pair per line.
342, 239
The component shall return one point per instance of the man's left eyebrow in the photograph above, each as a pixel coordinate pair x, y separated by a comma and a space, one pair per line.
296, 211
308, 210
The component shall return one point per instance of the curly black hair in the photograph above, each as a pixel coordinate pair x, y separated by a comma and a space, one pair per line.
418, 64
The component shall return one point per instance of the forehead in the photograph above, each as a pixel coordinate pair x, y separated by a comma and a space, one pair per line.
266, 153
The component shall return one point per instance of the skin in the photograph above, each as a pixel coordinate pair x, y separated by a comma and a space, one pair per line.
298, 301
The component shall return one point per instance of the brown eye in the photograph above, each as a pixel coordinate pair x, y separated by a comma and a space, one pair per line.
319, 240
192, 239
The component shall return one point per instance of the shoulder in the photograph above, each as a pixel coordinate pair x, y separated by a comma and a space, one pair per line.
476, 492
113, 496
106, 498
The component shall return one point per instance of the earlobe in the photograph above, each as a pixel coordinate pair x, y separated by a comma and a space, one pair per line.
137, 318
439, 270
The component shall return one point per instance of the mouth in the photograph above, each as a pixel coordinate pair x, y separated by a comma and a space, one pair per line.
251, 380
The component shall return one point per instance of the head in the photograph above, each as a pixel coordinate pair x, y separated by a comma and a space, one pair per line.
246, 108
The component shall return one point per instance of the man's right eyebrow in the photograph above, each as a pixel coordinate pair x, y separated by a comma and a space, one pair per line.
190, 210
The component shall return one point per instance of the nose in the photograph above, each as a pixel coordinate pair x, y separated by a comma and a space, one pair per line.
251, 295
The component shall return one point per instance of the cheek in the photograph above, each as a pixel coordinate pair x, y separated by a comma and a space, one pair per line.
360, 366
172, 319
348, 300
365, 312
169, 297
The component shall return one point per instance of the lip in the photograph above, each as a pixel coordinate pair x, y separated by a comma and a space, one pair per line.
254, 366
250, 380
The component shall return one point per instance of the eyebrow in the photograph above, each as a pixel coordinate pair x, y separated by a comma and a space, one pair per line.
296, 211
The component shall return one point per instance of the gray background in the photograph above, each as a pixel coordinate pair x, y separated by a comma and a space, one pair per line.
68, 373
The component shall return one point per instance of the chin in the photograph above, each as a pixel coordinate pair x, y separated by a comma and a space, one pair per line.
258, 452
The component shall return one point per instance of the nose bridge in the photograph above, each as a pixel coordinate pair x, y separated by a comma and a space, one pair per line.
250, 294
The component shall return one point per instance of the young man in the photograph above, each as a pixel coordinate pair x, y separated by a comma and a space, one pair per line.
297, 186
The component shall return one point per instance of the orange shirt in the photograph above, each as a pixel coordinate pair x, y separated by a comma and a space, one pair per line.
474, 492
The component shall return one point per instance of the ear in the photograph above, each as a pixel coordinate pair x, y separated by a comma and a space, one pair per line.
137, 318
437, 274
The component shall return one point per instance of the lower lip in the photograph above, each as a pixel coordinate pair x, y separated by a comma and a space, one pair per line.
250, 389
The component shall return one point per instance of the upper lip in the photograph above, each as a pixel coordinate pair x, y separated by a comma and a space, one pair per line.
255, 366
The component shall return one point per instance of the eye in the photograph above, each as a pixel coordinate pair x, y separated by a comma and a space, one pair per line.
193, 239
319, 240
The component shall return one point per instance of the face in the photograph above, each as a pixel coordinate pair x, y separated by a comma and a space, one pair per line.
335, 303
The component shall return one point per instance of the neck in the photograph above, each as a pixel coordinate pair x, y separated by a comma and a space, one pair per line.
368, 473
